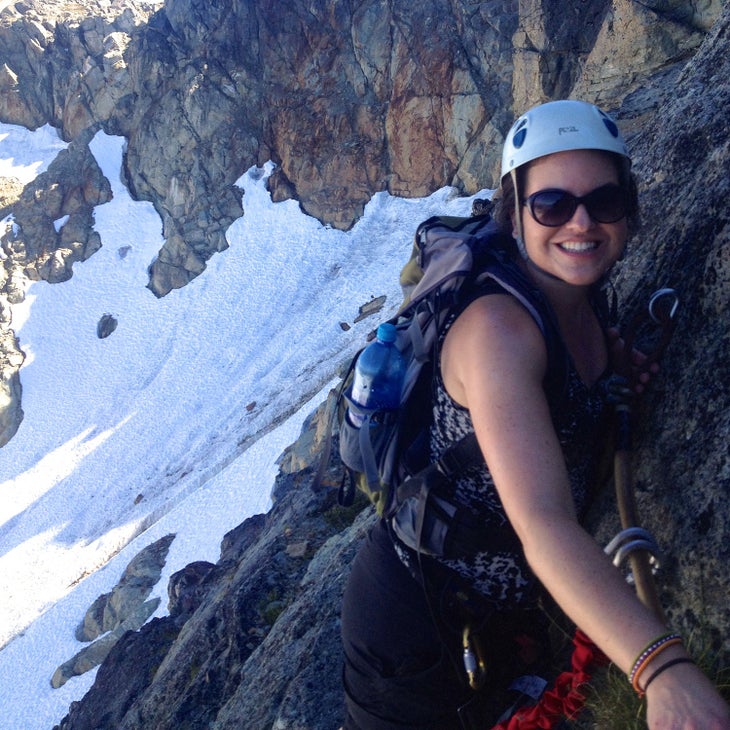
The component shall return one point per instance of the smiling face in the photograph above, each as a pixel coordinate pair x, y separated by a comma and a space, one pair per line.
581, 250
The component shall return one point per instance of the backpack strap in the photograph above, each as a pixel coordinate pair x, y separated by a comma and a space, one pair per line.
512, 280
431, 523
460, 456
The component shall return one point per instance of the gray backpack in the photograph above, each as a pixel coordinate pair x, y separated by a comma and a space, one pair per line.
454, 261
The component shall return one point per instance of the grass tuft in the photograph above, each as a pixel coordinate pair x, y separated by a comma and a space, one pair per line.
611, 702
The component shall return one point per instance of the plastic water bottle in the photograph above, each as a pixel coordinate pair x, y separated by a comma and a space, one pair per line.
379, 373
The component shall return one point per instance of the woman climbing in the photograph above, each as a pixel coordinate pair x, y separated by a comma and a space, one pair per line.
568, 199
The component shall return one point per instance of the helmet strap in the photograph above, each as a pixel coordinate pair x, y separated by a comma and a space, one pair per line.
519, 238
518, 214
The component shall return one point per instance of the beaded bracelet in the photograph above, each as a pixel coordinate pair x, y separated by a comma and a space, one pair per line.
666, 665
652, 650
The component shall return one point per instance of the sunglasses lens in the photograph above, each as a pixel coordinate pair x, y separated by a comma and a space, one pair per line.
606, 204
552, 207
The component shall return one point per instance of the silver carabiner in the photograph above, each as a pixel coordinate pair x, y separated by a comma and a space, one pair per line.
673, 305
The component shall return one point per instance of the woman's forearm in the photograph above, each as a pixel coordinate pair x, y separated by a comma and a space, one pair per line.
591, 591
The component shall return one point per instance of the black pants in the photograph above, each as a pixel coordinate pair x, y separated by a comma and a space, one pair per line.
403, 667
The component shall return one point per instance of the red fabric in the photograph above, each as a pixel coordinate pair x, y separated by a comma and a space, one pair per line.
566, 698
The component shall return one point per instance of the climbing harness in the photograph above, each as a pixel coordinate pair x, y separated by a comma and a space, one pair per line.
634, 544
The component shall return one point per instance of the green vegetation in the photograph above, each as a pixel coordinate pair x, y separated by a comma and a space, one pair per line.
271, 607
342, 517
613, 704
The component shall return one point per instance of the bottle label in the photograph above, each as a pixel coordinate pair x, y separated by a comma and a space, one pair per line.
361, 389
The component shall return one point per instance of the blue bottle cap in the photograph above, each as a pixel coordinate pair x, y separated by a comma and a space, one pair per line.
386, 332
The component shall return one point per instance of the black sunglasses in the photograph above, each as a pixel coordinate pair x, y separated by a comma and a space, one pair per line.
554, 207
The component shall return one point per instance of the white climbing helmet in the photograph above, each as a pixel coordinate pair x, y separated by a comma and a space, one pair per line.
558, 126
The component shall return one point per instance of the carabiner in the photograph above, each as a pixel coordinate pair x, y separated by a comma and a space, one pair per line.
662, 311
473, 660
668, 315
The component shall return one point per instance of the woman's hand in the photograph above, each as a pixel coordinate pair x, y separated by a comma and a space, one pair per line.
682, 698
640, 371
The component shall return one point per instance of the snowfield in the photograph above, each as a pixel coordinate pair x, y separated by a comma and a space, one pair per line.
173, 423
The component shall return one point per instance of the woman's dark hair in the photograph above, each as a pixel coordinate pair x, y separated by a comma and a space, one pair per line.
504, 197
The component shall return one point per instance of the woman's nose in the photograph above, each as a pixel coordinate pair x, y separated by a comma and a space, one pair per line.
581, 218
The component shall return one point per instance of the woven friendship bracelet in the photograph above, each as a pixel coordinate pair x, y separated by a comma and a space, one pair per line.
652, 650
648, 649
665, 645
666, 665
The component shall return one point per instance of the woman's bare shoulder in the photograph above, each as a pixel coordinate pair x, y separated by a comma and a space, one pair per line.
498, 316
494, 339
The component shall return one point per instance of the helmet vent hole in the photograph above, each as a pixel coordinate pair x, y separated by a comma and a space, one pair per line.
518, 139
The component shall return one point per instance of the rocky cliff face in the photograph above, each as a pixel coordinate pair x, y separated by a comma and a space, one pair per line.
349, 100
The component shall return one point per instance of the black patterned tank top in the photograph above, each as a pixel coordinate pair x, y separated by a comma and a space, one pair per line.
579, 415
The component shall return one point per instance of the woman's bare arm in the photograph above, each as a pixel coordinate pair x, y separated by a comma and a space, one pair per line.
493, 361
